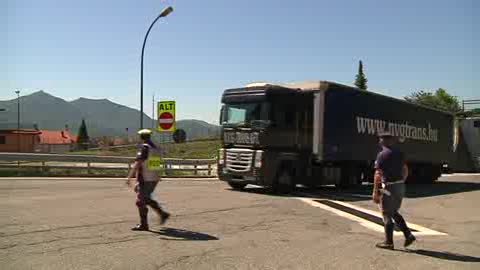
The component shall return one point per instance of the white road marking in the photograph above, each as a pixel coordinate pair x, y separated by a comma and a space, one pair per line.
367, 224
460, 174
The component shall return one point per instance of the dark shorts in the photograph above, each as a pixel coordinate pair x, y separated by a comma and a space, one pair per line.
144, 191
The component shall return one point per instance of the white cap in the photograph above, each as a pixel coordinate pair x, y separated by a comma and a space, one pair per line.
144, 132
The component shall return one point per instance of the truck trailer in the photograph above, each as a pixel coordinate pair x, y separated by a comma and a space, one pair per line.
315, 133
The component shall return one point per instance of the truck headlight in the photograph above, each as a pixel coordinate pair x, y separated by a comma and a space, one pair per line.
258, 159
221, 156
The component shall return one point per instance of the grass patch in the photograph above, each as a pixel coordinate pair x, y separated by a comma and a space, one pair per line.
25, 172
188, 150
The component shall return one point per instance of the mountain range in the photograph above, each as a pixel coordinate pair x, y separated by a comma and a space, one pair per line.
102, 116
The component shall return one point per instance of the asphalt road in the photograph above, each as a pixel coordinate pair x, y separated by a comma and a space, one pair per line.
85, 224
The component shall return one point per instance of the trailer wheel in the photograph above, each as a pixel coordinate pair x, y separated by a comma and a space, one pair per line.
421, 174
351, 177
431, 174
284, 182
237, 186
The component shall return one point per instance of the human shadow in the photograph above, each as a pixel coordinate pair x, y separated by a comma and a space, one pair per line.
363, 192
414, 190
440, 188
183, 235
443, 255
326, 192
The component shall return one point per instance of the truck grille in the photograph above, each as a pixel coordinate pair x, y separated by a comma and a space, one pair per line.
239, 160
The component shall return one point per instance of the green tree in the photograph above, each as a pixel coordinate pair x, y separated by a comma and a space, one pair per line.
179, 136
83, 139
440, 99
361, 79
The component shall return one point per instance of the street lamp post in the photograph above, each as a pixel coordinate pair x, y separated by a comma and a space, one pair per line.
18, 119
164, 13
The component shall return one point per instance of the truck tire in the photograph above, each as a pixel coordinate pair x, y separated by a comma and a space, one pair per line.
427, 176
351, 177
237, 186
421, 174
413, 175
284, 182
431, 174
342, 185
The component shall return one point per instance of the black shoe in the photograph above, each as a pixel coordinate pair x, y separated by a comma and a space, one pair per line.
384, 245
163, 217
409, 240
140, 228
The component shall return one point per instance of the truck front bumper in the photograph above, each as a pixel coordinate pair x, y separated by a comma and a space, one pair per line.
247, 178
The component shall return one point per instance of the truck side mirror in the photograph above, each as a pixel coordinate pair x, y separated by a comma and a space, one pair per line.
222, 116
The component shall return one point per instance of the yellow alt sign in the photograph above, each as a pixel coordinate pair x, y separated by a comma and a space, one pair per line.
166, 116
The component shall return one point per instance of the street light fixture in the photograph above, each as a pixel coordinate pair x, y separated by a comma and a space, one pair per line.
164, 13
18, 120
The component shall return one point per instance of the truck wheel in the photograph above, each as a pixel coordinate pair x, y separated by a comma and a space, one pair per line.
351, 176
430, 174
237, 186
284, 182
342, 185
311, 185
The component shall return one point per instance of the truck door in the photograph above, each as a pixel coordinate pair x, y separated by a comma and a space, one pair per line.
305, 120
285, 125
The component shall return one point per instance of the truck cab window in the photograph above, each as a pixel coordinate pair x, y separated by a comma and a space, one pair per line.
244, 113
236, 115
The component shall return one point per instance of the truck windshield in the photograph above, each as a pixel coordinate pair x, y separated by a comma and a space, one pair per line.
244, 113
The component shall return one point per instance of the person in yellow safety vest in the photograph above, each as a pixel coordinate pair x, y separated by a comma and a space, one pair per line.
147, 176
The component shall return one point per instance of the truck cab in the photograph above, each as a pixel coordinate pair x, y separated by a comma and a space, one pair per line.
264, 133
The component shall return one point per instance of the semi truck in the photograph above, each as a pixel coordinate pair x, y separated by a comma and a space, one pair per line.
312, 133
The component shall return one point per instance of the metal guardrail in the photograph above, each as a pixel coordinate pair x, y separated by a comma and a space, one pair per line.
113, 147
172, 164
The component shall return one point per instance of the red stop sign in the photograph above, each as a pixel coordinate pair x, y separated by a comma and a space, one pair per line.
165, 120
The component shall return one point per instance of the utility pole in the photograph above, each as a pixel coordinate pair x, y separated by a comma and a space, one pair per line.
164, 13
153, 112
18, 120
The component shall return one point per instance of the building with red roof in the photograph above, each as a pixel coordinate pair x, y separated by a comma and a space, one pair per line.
35, 140
19, 140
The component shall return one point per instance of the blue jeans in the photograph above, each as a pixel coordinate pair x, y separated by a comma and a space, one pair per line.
391, 201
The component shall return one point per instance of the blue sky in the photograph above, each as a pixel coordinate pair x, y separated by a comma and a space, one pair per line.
92, 48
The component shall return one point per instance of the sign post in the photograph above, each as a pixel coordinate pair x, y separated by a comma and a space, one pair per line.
166, 116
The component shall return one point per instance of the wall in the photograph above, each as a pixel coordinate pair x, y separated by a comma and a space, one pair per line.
54, 148
27, 142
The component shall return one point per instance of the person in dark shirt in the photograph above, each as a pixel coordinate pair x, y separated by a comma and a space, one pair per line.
147, 180
391, 171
